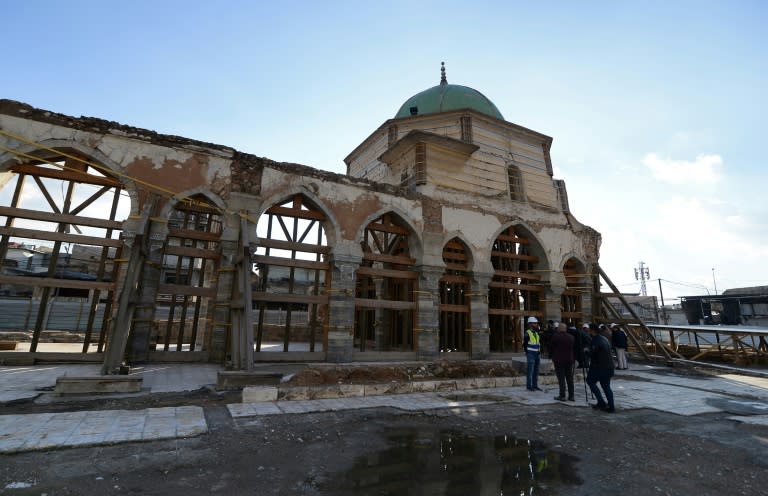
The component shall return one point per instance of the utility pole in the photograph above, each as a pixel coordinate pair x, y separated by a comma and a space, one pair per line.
713, 280
642, 274
663, 309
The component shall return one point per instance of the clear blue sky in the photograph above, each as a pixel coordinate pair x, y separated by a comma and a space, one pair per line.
656, 108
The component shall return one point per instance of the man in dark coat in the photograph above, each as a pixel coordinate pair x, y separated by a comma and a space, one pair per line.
600, 370
619, 342
561, 347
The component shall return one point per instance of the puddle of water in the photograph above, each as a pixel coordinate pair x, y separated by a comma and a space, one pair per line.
431, 463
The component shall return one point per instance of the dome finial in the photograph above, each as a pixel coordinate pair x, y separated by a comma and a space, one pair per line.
443, 79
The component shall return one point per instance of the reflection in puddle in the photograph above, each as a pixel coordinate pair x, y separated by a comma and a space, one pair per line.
453, 463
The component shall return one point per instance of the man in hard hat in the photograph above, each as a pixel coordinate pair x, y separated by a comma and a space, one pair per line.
532, 347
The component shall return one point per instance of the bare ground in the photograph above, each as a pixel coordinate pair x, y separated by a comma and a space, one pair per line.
628, 453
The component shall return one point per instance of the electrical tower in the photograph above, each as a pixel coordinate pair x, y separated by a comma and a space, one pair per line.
642, 274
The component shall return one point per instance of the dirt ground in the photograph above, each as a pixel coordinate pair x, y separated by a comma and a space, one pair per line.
501, 448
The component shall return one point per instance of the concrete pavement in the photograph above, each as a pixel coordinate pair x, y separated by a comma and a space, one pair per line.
744, 398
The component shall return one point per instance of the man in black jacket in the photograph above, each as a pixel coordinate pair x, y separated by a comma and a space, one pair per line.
619, 342
600, 370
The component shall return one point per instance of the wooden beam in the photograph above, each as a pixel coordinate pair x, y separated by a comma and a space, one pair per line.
456, 266
517, 313
522, 275
514, 256
181, 289
296, 212
390, 273
23, 213
395, 259
66, 175
289, 245
509, 285
192, 234
514, 239
454, 308
289, 298
390, 228
288, 262
51, 282
392, 305
57, 236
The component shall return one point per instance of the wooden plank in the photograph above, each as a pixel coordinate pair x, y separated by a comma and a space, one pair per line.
390, 228
392, 305
522, 275
23, 213
57, 236
452, 255
188, 251
509, 285
455, 279
192, 234
181, 289
289, 298
288, 262
514, 256
453, 266
395, 259
390, 273
454, 245
454, 308
51, 282
289, 245
514, 239
518, 313
66, 175
296, 212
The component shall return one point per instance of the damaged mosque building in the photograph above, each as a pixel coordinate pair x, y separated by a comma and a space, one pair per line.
121, 245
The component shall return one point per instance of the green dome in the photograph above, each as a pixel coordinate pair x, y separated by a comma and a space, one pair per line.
446, 97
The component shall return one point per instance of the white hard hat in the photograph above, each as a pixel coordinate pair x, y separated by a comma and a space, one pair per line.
533, 319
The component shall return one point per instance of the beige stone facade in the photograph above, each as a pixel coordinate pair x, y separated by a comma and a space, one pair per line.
447, 232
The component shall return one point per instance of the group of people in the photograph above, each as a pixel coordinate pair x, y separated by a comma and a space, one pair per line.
590, 348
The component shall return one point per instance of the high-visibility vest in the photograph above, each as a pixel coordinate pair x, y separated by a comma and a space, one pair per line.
533, 341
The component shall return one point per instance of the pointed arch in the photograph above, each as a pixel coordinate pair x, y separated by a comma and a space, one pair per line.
386, 285
516, 289
66, 234
311, 201
188, 273
576, 283
291, 276
454, 298
402, 219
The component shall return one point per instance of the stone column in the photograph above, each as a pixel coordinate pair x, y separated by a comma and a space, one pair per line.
341, 309
427, 331
480, 331
221, 326
553, 298
144, 313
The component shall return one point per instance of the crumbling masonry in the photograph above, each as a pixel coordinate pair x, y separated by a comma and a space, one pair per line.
446, 233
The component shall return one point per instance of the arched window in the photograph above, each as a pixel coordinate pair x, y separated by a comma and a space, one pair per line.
60, 226
514, 292
385, 303
183, 305
515, 183
575, 285
290, 277
454, 302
